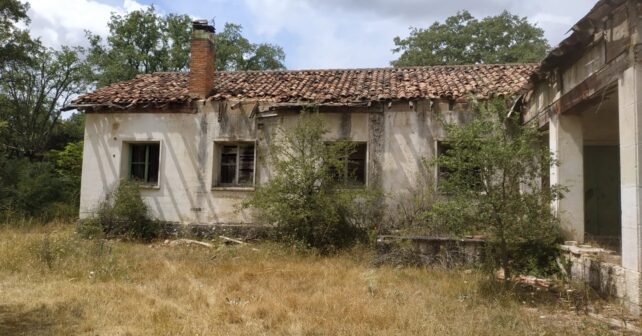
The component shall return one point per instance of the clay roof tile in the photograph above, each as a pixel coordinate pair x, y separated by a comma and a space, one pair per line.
327, 86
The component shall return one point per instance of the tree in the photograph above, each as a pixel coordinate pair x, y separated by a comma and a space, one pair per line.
13, 41
139, 42
235, 52
144, 42
69, 130
35, 82
462, 39
305, 199
32, 94
494, 167
29, 188
69, 167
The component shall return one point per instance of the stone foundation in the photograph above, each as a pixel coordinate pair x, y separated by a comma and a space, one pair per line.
430, 250
602, 271
206, 231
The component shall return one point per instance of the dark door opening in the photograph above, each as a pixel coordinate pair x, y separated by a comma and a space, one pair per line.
602, 211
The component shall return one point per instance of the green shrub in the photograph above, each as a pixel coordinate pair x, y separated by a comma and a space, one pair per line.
122, 214
493, 186
533, 257
307, 198
69, 168
29, 188
90, 228
37, 190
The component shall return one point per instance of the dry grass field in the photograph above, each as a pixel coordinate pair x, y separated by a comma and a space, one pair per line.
54, 283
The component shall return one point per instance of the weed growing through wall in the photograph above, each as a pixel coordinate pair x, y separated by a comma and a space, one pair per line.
410, 206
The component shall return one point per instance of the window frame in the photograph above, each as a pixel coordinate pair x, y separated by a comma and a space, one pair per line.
440, 143
218, 162
354, 184
130, 162
439, 176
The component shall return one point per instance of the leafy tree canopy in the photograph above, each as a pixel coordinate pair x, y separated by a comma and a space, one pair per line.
463, 39
13, 40
32, 94
144, 41
235, 52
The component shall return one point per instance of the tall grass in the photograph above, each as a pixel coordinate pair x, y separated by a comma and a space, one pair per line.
54, 283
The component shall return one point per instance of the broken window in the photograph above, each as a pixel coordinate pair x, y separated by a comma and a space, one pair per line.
470, 174
236, 164
352, 168
442, 172
144, 162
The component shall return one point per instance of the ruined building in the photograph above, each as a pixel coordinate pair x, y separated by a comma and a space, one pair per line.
587, 94
194, 138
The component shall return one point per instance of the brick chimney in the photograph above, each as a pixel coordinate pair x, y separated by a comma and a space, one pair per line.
203, 60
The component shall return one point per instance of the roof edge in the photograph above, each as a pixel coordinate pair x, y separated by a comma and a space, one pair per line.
580, 35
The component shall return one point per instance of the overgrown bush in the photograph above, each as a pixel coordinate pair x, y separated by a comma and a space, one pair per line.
69, 168
495, 167
410, 209
306, 199
122, 214
33, 189
533, 257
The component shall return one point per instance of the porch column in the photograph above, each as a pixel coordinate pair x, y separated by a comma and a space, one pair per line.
567, 145
630, 121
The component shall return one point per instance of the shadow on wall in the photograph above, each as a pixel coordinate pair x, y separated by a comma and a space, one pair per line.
102, 150
171, 189
409, 140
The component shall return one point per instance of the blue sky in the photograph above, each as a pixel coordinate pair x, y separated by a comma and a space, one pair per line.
314, 33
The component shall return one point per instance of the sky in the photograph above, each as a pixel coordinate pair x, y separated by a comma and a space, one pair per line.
314, 33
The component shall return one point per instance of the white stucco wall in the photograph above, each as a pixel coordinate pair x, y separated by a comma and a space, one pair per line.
399, 136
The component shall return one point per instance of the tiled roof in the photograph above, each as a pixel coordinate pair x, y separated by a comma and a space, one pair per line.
346, 86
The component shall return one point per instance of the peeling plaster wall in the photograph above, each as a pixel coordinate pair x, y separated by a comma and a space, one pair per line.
184, 192
399, 137
410, 135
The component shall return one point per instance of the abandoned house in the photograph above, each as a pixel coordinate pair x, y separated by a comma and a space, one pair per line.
194, 138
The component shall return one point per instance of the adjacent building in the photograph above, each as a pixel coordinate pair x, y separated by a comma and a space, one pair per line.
587, 94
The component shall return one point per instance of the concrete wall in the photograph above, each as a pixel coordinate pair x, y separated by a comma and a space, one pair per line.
398, 136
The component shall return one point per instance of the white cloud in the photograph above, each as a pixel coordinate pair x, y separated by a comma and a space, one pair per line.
545, 18
131, 5
63, 22
316, 34
325, 38
359, 33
